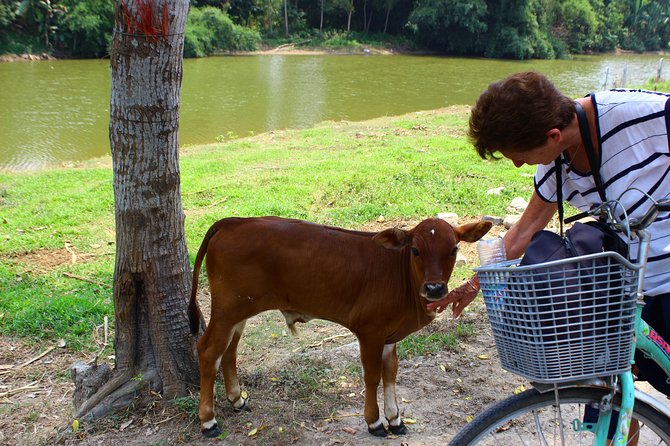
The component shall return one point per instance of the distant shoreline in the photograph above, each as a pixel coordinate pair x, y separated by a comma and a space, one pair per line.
298, 50
287, 49
25, 57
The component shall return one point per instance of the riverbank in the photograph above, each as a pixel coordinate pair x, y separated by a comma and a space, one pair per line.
304, 49
285, 49
25, 57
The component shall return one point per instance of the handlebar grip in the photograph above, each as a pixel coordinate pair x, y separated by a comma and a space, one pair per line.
663, 205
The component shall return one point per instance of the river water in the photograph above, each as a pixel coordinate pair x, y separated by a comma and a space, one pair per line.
56, 111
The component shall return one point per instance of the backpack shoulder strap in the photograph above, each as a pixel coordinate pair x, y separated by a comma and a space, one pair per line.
594, 162
558, 165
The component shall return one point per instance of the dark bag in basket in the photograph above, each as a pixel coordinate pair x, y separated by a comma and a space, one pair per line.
583, 238
576, 295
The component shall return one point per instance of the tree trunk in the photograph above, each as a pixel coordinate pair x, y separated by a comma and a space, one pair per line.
286, 16
388, 11
351, 11
321, 22
154, 348
365, 16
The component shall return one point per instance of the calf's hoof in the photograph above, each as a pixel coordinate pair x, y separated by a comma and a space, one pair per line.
400, 429
212, 432
378, 431
243, 408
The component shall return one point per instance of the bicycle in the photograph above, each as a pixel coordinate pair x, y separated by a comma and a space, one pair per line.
577, 354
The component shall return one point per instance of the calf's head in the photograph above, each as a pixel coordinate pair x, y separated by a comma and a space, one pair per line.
432, 247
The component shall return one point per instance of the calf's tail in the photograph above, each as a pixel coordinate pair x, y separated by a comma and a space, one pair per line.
194, 315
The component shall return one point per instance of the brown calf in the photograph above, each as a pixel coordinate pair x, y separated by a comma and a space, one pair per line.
375, 284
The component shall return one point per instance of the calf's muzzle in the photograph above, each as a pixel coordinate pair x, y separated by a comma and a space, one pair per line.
434, 290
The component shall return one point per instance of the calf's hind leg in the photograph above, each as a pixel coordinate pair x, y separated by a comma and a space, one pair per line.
211, 348
229, 369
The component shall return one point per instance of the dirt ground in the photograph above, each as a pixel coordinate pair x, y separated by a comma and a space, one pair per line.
307, 393
305, 390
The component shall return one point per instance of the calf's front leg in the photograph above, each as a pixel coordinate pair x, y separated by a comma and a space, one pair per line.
389, 374
371, 358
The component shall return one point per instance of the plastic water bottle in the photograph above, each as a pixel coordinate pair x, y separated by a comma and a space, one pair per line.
492, 251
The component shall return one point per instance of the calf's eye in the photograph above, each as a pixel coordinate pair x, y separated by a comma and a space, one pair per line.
415, 251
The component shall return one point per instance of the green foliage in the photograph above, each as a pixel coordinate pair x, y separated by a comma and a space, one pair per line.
516, 33
647, 25
188, 405
580, 23
87, 28
7, 14
21, 43
453, 26
209, 30
518, 29
40, 17
610, 26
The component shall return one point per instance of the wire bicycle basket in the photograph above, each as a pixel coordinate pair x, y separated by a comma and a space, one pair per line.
562, 320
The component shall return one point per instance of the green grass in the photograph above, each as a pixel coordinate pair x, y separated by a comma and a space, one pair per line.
657, 85
425, 344
345, 174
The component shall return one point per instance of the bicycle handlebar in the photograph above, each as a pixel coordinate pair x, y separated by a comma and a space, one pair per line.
607, 211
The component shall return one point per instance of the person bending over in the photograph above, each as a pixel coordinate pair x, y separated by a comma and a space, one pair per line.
527, 120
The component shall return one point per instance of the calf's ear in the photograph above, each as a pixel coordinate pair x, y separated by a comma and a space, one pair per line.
472, 232
392, 238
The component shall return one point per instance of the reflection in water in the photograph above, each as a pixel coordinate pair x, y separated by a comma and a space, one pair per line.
53, 111
275, 90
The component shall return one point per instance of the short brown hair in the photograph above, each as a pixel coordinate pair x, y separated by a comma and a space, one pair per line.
516, 113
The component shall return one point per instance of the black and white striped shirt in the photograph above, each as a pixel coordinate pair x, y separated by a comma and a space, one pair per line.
632, 127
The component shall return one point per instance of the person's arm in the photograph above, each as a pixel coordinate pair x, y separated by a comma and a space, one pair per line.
534, 218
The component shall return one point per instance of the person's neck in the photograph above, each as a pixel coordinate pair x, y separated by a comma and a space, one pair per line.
574, 150
580, 157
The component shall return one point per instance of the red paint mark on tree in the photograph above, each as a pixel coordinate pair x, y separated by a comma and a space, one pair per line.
140, 17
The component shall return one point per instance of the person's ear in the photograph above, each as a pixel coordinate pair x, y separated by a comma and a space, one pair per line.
554, 135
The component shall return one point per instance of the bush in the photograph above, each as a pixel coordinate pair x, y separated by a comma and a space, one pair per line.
194, 41
245, 39
7, 15
87, 28
19, 43
209, 30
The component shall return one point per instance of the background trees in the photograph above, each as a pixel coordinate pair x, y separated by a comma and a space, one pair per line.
518, 29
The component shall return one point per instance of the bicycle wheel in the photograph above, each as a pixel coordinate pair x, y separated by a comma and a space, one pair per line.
533, 418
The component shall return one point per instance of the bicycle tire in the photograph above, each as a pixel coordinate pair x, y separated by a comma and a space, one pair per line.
512, 421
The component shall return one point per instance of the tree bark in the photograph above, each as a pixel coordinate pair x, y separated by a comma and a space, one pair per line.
365, 16
154, 348
388, 12
286, 17
321, 21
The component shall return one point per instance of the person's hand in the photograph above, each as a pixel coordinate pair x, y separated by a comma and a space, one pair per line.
460, 297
